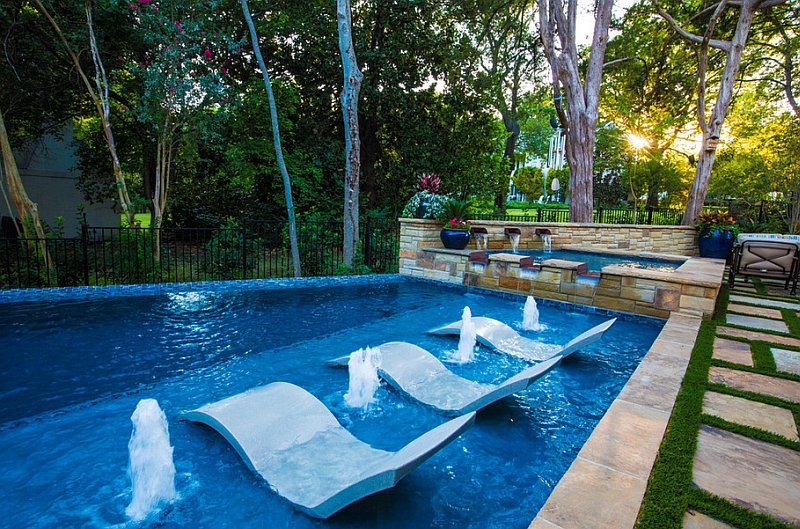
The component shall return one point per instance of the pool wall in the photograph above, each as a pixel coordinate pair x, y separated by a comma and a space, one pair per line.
690, 290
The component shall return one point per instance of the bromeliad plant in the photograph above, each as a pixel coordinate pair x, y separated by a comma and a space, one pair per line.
426, 203
715, 220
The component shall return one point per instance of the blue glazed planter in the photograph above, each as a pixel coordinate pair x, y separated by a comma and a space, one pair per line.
716, 243
454, 239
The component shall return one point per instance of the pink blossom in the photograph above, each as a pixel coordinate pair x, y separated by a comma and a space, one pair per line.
237, 50
208, 55
216, 34
155, 9
178, 25
120, 57
224, 71
145, 2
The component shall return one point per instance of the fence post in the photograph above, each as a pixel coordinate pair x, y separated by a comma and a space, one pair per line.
650, 215
600, 214
539, 215
85, 251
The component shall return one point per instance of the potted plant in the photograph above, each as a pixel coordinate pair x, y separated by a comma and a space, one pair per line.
716, 233
426, 203
455, 233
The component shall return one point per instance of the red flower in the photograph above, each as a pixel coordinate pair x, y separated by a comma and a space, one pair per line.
208, 55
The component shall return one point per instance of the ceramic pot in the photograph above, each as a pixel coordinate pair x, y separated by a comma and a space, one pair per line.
715, 243
454, 239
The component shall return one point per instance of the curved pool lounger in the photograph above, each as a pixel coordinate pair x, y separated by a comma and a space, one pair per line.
497, 335
420, 375
295, 443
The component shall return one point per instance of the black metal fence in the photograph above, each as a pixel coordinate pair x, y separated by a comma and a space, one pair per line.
649, 215
257, 249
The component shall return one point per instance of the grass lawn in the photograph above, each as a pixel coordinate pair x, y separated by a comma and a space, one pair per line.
142, 218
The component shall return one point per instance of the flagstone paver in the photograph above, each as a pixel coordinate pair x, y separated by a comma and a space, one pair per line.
755, 311
755, 474
765, 302
756, 383
755, 335
751, 413
756, 322
786, 361
732, 351
698, 520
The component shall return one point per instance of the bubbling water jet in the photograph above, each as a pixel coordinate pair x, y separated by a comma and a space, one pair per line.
468, 337
150, 464
363, 368
530, 316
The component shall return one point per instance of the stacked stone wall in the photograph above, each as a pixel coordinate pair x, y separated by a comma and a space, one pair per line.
691, 290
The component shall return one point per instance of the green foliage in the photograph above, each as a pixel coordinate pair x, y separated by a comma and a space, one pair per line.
530, 180
455, 209
425, 205
228, 255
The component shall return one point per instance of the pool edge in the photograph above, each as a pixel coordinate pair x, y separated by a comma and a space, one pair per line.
605, 484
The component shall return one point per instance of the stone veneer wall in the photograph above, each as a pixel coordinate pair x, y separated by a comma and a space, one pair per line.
691, 290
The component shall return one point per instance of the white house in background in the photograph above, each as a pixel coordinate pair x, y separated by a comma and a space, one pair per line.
46, 170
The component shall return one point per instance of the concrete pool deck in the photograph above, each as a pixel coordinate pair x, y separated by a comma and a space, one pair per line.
605, 485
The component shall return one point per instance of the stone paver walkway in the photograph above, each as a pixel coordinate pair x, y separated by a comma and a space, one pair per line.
756, 474
604, 486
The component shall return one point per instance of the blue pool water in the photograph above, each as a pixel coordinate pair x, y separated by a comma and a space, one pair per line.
597, 261
72, 372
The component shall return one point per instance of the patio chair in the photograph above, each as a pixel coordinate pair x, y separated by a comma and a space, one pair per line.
766, 258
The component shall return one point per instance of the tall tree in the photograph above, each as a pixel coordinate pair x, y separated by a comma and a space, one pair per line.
276, 137
576, 97
352, 86
99, 94
711, 123
510, 57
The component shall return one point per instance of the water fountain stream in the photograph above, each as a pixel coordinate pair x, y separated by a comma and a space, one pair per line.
530, 316
150, 464
468, 337
363, 369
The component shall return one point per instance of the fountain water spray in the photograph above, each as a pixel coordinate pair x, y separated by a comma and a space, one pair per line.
514, 241
363, 368
530, 316
548, 242
466, 342
150, 465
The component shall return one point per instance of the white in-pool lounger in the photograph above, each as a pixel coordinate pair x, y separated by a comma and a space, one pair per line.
288, 437
420, 375
497, 335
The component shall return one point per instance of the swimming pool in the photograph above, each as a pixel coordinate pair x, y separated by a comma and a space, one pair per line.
72, 372
596, 261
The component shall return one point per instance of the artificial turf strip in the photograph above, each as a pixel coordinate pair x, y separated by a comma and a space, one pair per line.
792, 321
666, 498
730, 513
762, 356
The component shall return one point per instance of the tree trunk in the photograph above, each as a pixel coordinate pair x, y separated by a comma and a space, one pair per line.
578, 116
352, 87
27, 210
276, 137
712, 126
580, 154
697, 193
